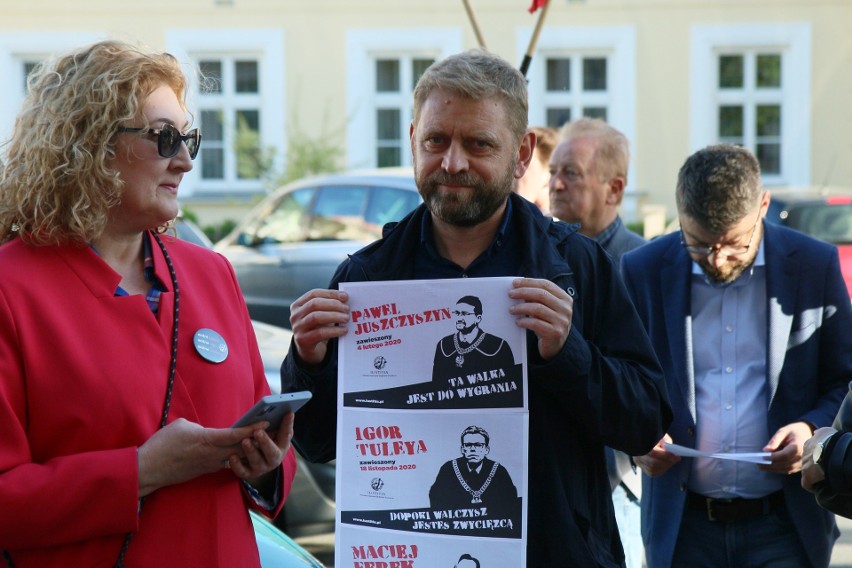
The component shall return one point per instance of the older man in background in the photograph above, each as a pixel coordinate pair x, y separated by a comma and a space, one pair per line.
588, 175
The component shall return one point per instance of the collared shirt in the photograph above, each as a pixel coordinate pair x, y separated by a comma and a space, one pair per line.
153, 300
618, 240
729, 328
604, 237
157, 286
501, 258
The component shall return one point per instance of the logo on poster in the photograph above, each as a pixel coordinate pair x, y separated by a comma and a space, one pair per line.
380, 363
376, 484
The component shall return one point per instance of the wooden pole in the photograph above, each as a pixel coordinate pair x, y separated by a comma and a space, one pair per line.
473, 23
525, 64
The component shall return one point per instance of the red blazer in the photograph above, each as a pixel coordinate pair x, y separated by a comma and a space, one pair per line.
83, 376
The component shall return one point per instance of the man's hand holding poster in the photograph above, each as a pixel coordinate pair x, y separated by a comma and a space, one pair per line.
432, 425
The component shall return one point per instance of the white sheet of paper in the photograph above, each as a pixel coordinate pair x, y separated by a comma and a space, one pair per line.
754, 457
400, 416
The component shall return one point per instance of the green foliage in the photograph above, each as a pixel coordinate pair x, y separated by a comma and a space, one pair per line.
217, 232
309, 156
637, 227
189, 214
306, 154
253, 161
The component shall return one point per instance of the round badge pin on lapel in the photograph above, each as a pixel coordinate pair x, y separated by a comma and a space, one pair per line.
210, 345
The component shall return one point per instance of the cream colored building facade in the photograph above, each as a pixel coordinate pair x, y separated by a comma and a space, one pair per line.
673, 75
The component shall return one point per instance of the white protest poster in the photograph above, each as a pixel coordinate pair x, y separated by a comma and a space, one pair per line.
403, 348
432, 426
359, 548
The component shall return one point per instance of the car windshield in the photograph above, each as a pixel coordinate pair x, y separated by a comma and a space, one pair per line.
826, 221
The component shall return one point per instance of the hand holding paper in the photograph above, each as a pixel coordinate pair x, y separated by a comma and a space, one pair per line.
658, 461
750, 457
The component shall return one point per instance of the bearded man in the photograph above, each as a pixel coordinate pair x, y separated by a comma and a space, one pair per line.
751, 323
593, 377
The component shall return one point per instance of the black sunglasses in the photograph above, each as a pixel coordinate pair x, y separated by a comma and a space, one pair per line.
169, 139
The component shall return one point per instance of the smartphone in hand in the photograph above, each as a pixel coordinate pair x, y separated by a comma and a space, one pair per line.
272, 409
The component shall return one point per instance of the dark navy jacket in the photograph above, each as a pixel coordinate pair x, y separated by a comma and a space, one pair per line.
808, 365
604, 388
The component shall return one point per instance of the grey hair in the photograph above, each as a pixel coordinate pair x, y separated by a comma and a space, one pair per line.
612, 155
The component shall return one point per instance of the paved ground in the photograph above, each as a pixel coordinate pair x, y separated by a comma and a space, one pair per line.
322, 546
842, 557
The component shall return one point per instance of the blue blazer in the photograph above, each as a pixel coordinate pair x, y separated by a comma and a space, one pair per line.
808, 356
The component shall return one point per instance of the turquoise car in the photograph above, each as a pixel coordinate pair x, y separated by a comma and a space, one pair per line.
277, 550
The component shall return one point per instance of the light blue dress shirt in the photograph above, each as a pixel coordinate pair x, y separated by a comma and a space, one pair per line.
729, 329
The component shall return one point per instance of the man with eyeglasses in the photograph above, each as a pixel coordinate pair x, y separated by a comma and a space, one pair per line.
469, 349
751, 323
473, 481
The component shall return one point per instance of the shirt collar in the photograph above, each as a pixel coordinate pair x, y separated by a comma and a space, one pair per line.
148, 266
427, 238
604, 236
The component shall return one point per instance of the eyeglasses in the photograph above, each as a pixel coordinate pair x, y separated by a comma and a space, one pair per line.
459, 313
473, 445
169, 139
703, 251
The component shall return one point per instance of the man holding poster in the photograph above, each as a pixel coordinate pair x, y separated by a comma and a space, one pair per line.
593, 378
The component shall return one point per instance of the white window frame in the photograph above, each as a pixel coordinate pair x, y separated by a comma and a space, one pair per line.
363, 47
18, 47
577, 99
618, 44
793, 42
267, 47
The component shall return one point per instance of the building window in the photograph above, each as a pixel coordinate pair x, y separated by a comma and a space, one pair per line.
575, 86
27, 67
20, 53
382, 72
585, 71
582, 71
237, 97
395, 82
750, 86
230, 105
750, 95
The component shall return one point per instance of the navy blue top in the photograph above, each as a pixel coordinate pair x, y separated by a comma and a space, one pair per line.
501, 258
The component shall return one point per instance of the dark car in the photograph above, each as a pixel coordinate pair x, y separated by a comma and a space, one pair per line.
296, 237
821, 212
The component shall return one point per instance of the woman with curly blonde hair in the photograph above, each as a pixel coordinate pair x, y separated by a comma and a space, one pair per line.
125, 354
58, 186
